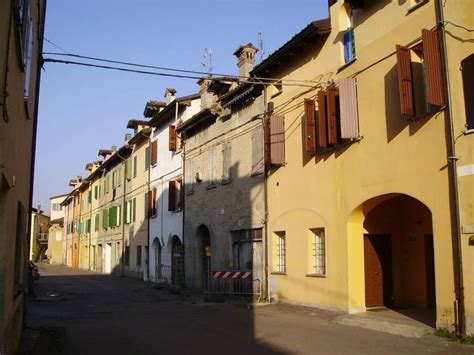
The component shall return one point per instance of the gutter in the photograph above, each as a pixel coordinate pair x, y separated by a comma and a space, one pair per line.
452, 159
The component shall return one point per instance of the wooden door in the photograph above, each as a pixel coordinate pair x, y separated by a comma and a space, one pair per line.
378, 270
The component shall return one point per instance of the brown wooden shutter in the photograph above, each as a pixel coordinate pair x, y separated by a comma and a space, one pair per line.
153, 201
267, 153
467, 69
171, 196
333, 115
150, 203
277, 140
154, 152
433, 67
349, 114
322, 119
309, 108
173, 138
405, 81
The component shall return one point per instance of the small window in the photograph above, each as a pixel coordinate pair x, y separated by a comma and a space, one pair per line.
349, 45
135, 166
190, 177
139, 255
279, 263
467, 68
126, 256
257, 151
226, 162
212, 180
318, 251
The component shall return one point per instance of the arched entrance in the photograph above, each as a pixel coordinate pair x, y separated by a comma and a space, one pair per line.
177, 261
156, 245
203, 262
394, 238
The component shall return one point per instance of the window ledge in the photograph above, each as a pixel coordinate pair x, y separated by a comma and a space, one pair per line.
210, 187
177, 210
276, 94
322, 276
278, 273
345, 65
416, 6
468, 131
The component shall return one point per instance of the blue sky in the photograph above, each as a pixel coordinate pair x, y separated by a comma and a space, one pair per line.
84, 109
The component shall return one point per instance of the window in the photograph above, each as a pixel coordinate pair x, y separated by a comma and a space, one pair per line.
226, 162
126, 256
96, 192
279, 263
257, 150
29, 40
337, 120
134, 209
58, 236
212, 168
128, 168
89, 197
467, 68
88, 226
420, 80
119, 175
174, 195
139, 255
275, 141
154, 153
189, 177
349, 45
105, 219
57, 207
147, 158
277, 88
318, 251
173, 139
135, 166
151, 200
97, 222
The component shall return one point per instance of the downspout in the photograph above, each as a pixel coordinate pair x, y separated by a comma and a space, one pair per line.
183, 202
148, 217
123, 219
90, 232
452, 159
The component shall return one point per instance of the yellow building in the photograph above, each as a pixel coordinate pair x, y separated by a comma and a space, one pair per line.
38, 234
56, 230
360, 185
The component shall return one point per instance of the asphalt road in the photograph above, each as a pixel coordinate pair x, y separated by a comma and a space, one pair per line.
79, 312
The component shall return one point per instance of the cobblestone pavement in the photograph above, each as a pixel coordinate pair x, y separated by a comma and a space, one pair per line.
80, 312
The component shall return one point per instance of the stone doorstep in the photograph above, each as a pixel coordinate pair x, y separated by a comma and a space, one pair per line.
385, 325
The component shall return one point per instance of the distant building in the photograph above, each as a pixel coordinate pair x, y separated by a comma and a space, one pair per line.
39, 234
54, 253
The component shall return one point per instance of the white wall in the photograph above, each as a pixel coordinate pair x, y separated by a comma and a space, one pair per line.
166, 223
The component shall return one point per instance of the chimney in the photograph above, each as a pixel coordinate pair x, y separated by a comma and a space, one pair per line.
246, 58
128, 136
208, 98
169, 95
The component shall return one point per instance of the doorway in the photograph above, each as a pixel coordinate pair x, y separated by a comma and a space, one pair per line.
177, 261
108, 258
378, 270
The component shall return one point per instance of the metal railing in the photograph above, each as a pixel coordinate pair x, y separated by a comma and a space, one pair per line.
170, 275
233, 286
42, 237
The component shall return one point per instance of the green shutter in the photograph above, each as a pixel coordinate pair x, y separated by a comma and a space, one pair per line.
125, 208
134, 209
147, 158
105, 219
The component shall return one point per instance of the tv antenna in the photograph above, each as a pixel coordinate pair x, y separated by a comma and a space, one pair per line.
207, 60
261, 46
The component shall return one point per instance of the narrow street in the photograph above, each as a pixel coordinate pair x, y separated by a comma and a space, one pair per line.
80, 312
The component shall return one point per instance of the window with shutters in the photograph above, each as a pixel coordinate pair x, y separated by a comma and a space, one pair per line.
105, 219
128, 168
147, 158
97, 222
336, 120
212, 168
173, 139
175, 195
257, 151
152, 203
189, 181
146, 204
135, 166
275, 141
119, 175
126, 256
134, 209
420, 76
467, 71
226, 163
347, 29
154, 153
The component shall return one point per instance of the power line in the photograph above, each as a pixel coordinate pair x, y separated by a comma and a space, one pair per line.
57, 46
66, 54
254, 81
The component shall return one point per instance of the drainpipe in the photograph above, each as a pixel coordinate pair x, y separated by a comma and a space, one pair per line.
123, 219
90, 231
183, 202
148, 217
452, 159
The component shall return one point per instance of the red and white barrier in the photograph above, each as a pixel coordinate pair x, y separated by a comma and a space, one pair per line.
231, 274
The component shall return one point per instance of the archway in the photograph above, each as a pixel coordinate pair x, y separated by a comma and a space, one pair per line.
203, 262
177, 261
393, 236
156, 245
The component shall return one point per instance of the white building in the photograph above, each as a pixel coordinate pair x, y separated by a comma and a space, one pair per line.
166, 220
